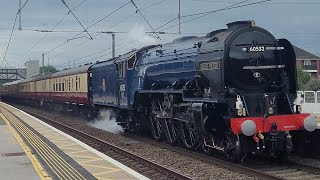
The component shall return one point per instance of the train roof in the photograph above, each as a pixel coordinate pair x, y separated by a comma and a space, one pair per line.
78, 70
125, 56
29, 79
41, 77
11, 83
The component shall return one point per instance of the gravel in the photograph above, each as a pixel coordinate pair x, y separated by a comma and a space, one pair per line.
181, 163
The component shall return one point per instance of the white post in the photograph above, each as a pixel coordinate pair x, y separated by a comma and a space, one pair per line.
113, 45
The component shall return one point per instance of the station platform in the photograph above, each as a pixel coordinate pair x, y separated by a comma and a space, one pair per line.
32, 149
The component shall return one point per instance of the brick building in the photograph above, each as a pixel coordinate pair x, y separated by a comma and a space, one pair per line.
308, 62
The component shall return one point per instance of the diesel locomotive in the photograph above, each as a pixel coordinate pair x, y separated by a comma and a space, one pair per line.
233, 90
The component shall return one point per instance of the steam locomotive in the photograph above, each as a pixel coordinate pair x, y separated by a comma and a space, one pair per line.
233, 90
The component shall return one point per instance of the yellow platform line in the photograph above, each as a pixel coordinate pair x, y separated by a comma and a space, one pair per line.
46, 133
57, 163
58, 158
37, 166
47, 160
62, 163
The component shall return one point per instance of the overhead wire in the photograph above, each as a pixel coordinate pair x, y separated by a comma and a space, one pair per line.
190, 15
138, 10
215, 11
92, 59
155, 32
119, 47
14, 24
23, 6
106, 31
112, 26
104, 17
56, 25
86, 28
87, 55
184, 16
282, 3
70, 11
5, 54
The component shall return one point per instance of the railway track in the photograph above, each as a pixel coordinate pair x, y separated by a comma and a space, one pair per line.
259, 169
265, 169
140, 164
288, 171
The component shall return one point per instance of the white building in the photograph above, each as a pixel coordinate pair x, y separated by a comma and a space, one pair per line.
32, 68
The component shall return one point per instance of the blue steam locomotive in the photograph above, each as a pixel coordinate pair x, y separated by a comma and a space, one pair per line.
232, 90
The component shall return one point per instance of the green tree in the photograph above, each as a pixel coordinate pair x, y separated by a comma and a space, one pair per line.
313, 85
303, 78
48, 69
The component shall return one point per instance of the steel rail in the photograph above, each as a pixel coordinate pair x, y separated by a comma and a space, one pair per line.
171, 174
254, 171
209, 159
216, 161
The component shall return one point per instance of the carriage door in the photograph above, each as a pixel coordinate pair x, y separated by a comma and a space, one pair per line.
123, 99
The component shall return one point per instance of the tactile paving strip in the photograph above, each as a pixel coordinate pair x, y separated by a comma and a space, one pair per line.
59, 165
2, 121
96, 163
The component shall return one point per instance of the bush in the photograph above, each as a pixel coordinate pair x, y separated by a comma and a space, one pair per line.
312, 85
303, 78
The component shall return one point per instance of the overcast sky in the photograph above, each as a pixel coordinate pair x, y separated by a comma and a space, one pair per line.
296, 20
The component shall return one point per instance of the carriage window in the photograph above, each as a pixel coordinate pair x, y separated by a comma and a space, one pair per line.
131, 62
309, 97
76, 83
